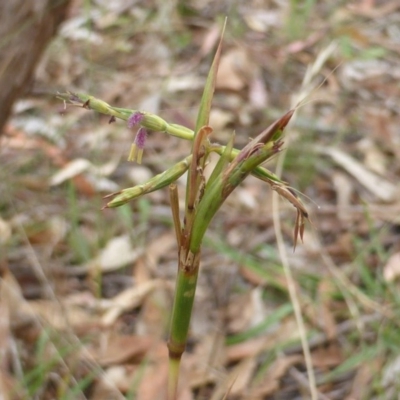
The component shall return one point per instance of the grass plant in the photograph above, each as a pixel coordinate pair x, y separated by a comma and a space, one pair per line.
203, 198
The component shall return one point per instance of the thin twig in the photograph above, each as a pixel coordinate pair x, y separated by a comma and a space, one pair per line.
294, 298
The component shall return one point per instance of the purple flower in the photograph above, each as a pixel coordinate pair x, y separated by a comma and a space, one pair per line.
140, 139
137, 147
135, 119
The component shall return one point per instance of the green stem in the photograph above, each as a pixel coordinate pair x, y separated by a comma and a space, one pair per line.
182, 310
183, 303
173, 378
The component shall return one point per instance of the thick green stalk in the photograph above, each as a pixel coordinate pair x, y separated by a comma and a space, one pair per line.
185, 291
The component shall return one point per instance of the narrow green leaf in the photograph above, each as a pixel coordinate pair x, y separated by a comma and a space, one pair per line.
195, 175
205, 104
200, 144
157, 182
222, 162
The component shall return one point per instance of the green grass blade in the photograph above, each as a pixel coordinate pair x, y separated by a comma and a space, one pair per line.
157, 182
222, 162
208, 94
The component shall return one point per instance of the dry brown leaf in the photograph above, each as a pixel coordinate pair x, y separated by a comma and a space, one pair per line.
16, 139
83, 186
237, 381
62, 316
14, 305
210, 39
206, 361
281, 365
327, 357
374, 158
5, 231
70, 170
379, 186
234, 70
258, 95
246, 198
367, 8
344, 191
276, 371
246, 311
110, 384
49, 234
219, 119
391, 373
139, 174
262, 20
92, 181
364, 375
343, 247
182, 83
154, 382
391, 270
141, 272
260, 280
118, 253
155, 312
241, 376
6, 381
158, 248
151, 376
286, 331
249, 348
301, 45
10, 386
326, 319
126, 300
124, 349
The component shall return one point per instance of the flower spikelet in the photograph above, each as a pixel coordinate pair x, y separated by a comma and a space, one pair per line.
137, 147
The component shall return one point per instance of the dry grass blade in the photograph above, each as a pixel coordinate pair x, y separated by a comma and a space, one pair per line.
302, 213
299, 228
